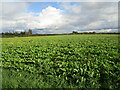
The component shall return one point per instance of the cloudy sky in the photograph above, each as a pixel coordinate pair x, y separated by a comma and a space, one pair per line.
60, 17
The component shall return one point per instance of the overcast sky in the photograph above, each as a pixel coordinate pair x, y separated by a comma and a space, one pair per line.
60, 17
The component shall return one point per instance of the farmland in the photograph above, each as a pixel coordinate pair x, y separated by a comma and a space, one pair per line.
67, 61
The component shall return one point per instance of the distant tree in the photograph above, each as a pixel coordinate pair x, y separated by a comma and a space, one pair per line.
22, 34
74, 32
85, 32
26, 34
15, 33
30, 31
94, 32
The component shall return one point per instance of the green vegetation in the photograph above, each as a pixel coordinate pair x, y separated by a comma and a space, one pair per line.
67, 61
17, 34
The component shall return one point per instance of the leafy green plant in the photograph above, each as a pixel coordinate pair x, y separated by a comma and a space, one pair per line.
73, 61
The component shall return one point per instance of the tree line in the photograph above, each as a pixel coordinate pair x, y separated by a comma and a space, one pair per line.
29, 33
14, 34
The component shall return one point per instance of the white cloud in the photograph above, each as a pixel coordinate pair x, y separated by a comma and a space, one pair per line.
50, 17
11, 10
94, 15
78, 16
19, 30
107, 30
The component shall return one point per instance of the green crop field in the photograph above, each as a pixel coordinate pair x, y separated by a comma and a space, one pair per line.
66, 61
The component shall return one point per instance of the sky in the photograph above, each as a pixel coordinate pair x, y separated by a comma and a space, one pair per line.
59, 17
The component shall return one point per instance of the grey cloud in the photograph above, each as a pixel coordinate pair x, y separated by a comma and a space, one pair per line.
10, 10
104, 14
78, 16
